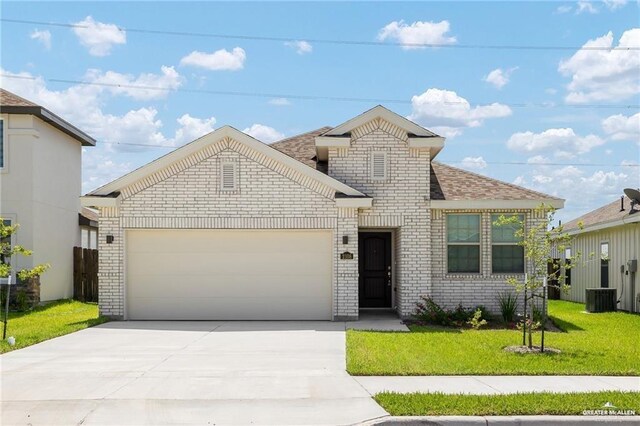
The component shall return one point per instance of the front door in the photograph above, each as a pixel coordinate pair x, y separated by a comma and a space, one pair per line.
374, 253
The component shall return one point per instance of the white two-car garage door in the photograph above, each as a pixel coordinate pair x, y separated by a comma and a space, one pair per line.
228, 275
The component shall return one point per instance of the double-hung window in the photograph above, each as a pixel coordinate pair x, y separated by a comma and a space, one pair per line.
463, 243
604, 265
507, 257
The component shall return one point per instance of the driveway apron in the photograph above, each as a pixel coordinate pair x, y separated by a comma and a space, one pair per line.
181, 372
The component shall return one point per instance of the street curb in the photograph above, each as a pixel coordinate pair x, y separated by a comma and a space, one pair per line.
504, 420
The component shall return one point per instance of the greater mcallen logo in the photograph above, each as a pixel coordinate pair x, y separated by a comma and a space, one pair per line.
608, 409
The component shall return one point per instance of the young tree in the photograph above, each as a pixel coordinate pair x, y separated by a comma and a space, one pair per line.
539, 241
7, 251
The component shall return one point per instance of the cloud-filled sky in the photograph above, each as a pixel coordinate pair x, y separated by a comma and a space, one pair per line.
568, 117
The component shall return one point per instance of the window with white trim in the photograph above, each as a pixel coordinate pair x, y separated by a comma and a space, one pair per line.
507, 256
378, 165
463, 243
228, 176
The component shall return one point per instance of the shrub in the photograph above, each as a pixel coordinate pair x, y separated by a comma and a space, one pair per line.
508, 306
429, 312
476, 320
485, 314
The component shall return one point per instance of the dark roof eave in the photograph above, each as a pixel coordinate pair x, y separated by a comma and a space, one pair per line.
49, 117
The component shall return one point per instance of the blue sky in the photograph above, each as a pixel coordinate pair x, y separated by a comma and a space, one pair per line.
474, 96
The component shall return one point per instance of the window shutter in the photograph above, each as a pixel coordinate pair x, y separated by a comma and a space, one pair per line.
379, 165
228, 176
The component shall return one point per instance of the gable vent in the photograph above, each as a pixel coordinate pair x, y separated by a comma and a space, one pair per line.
378, 165
228, 177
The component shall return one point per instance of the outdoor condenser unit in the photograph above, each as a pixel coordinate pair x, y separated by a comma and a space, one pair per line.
601, 299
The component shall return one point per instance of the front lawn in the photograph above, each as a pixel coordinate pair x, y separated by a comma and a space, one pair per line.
52, 320
592, 344
524, 404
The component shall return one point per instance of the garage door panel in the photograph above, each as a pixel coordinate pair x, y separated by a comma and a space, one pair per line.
228, 286
227, 274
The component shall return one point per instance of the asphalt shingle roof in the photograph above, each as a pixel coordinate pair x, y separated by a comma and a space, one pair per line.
447, 183
11, 99
607, 213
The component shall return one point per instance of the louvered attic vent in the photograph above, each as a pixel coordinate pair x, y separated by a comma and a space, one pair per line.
379, 165
228, 177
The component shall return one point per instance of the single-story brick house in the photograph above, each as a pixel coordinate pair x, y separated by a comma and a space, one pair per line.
316, 226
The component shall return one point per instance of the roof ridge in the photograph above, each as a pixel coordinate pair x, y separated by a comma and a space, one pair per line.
511, 185
301, 134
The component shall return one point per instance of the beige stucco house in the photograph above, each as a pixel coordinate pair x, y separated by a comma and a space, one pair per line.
40, 181
609, 244
318, 226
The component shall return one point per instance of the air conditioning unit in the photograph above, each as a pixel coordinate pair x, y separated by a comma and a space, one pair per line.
601, 299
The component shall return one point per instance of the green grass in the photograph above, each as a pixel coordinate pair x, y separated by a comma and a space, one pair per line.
593, 344
52, 320
534, 404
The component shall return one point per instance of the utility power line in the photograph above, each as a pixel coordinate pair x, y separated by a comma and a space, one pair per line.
325, 41
508, 163
313, 97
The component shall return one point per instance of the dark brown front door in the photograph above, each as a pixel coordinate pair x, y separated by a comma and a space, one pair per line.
374, 253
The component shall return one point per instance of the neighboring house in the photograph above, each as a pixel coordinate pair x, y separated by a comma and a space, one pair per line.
88, 221
316, 226
40, 181
608, 242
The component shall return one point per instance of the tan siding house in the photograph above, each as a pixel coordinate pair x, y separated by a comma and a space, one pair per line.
317, 226
609, 240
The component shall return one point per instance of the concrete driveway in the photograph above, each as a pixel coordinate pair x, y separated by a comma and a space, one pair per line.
136, 373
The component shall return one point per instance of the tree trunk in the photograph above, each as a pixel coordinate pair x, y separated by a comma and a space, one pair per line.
531, 325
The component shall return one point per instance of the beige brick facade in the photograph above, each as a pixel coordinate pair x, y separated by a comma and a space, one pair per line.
271, 195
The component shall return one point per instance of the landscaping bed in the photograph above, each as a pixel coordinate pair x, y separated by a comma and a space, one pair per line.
532, 404
48, 321
590, 344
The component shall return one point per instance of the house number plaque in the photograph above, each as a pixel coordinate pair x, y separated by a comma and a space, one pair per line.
346, 255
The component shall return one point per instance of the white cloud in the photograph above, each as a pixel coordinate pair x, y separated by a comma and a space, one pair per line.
448, 114
564, 143
604, 75
563, 9
280, 102
472, 163
411, 36
264, 133
192, 128
98, 37
584, 191
43, 37
300, 46
537, 159
120, 84
586, 7
219, 60
499, 77
82, 106
100, 167
615, 4
621, 127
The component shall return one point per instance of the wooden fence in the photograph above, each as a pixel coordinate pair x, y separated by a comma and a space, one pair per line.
85, 274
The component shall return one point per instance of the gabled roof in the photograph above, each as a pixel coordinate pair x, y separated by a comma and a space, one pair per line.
379, 111
447, 183
10, 103
453, 184
605, 216
217, 135
301, 147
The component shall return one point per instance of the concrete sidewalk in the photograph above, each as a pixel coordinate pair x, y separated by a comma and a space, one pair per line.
487, 385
